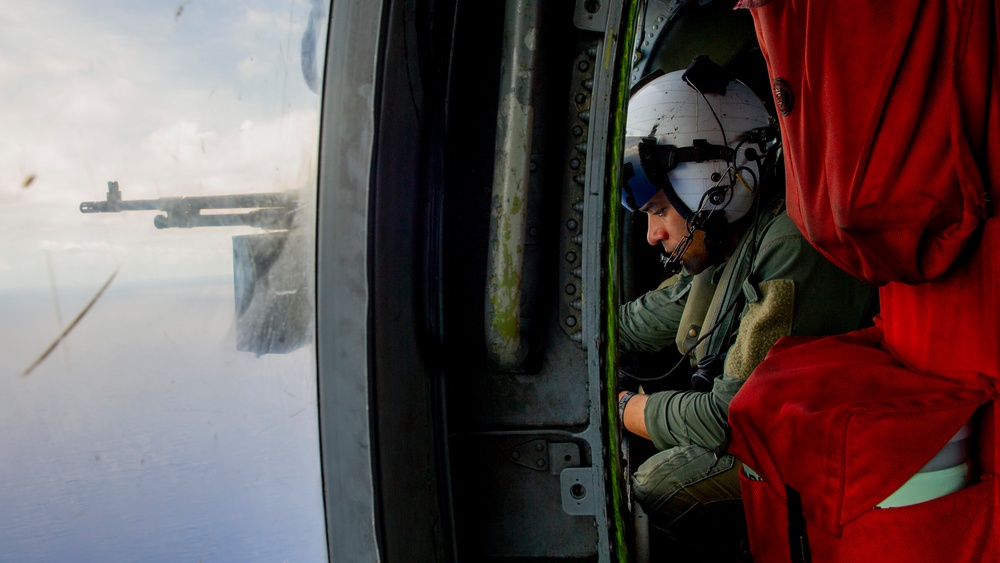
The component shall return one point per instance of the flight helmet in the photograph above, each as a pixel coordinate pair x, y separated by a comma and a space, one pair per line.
700, 137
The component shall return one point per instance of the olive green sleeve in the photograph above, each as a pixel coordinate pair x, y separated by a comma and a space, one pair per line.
649, 323
681, 418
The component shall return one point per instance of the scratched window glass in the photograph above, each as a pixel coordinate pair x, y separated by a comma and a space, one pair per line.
158, 171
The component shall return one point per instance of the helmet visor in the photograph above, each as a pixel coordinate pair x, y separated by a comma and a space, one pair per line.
637, 188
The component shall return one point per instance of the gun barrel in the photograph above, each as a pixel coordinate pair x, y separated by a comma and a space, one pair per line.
273, 209
111, 206
237, 201
268, 218
194, 203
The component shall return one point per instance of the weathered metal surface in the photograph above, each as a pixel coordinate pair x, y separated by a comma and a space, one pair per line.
505, 345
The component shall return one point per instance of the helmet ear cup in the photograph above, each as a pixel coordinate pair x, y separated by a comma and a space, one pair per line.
718, 232
716, 196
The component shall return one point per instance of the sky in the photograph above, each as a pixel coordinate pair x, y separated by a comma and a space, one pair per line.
145, 435
168, 99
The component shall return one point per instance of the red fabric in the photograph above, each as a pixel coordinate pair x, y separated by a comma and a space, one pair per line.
958, 528
844, 424
891, 128
893, 117
953, 323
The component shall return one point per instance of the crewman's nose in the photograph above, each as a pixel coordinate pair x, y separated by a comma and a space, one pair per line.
656, 232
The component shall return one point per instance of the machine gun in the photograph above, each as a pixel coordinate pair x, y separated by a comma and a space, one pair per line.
271, 211
270, 276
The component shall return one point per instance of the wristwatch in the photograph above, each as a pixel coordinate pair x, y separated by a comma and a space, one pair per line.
621, 406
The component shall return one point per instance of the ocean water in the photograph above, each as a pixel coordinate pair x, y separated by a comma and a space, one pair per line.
145, 435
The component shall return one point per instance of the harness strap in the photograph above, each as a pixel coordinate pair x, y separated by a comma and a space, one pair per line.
798, 542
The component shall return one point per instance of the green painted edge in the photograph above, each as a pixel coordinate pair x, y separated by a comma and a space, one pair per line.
622, 61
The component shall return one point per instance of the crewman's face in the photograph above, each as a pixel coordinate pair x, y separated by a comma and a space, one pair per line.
667, 228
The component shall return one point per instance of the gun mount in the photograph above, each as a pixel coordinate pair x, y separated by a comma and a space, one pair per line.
271, 279
270, 211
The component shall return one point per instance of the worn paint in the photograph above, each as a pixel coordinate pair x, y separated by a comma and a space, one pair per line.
504, 283
508, 216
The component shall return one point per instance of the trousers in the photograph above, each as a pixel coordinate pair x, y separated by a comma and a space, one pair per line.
693, 503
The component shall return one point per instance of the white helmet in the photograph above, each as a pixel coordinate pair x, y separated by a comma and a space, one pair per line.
676, 139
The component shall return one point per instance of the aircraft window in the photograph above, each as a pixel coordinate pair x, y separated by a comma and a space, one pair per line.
158, 391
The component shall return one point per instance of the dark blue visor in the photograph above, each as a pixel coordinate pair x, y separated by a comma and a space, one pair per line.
637, 189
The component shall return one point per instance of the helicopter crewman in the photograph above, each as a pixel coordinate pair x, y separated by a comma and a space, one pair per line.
702, 162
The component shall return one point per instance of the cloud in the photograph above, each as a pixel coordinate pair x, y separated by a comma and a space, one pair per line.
210, 103
123, 101
72, 245
244, 156
179, 141
250, 67
258, 19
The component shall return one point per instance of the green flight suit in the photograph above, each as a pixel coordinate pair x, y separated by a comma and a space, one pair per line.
775, 284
